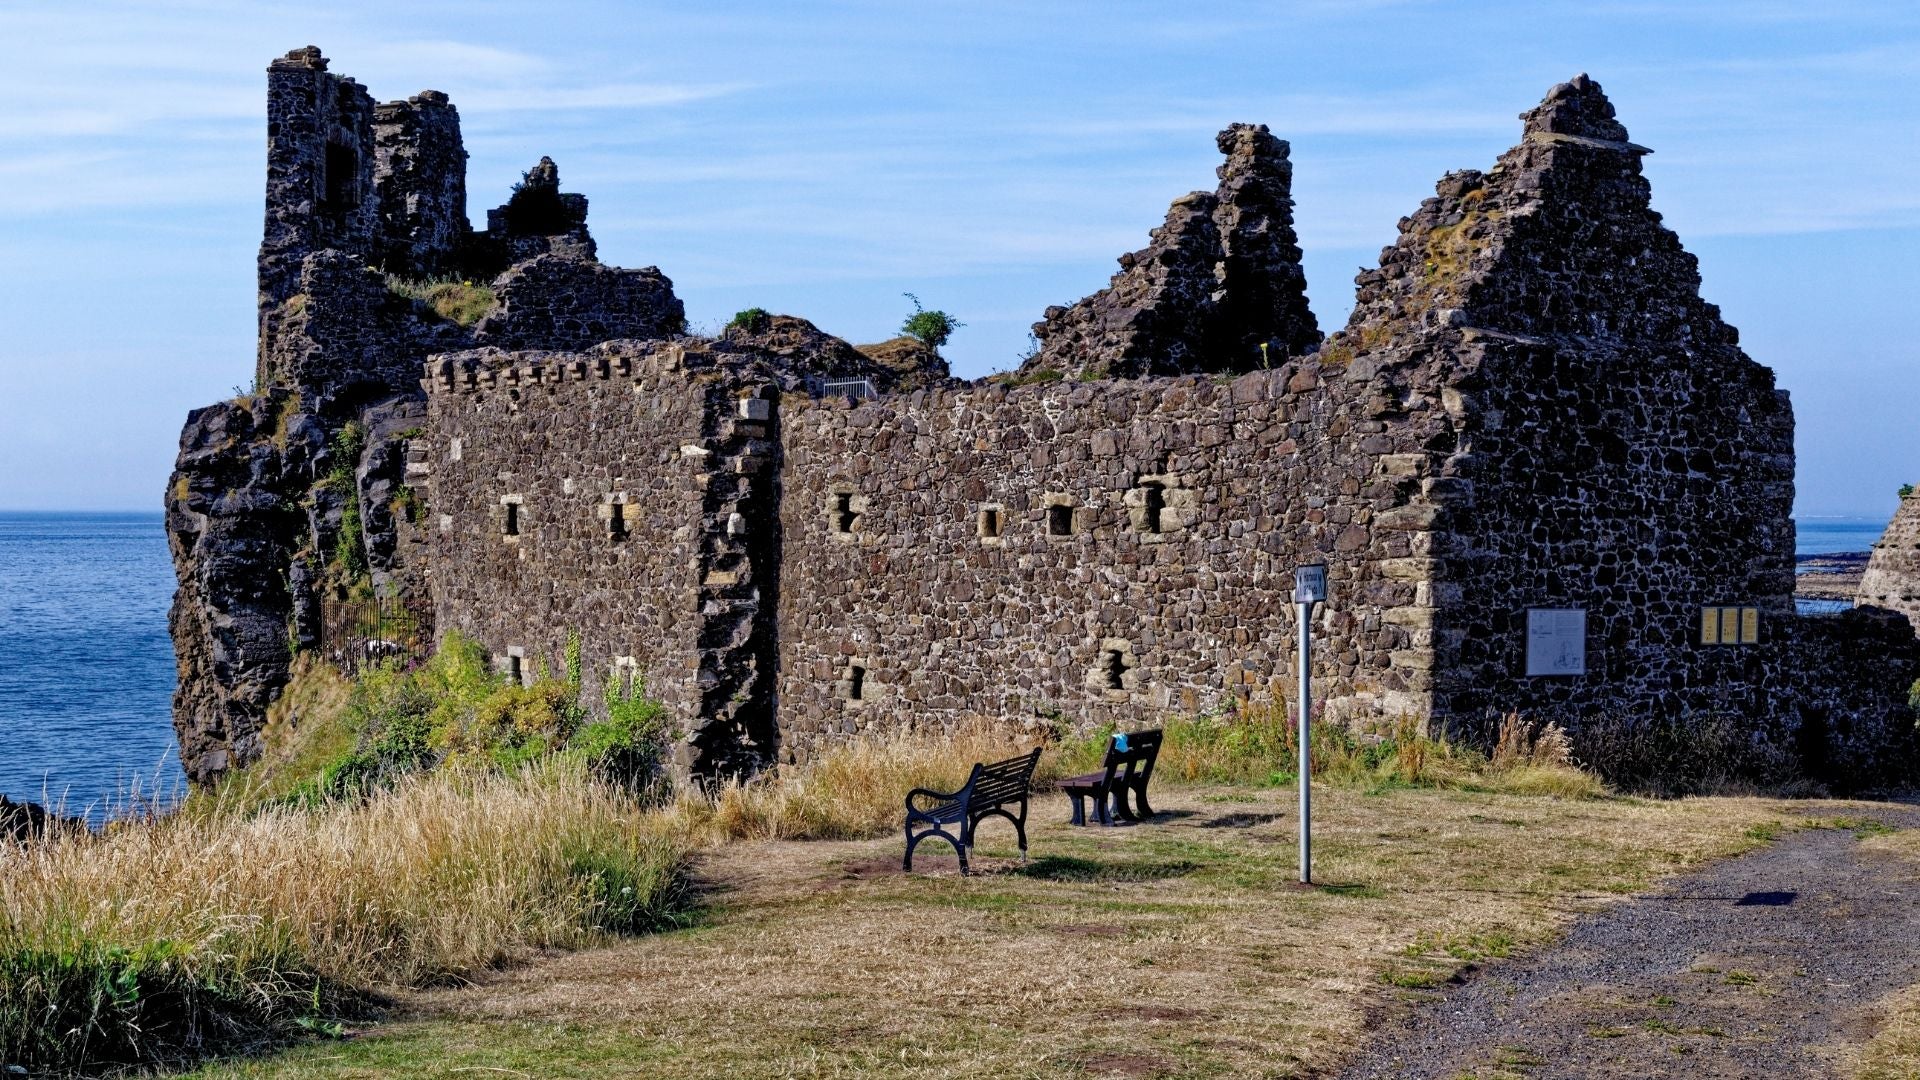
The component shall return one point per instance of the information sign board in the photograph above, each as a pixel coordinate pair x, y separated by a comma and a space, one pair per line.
1556, 641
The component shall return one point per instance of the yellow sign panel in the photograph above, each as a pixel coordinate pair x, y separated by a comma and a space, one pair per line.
1729, 626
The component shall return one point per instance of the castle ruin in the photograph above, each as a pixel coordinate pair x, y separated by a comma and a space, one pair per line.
1543, 476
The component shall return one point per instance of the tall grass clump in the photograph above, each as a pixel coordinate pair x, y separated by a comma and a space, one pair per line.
168, 939
1690, 754
1257, 743
849, 792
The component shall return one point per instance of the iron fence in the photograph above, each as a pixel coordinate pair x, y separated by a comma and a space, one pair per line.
356, 633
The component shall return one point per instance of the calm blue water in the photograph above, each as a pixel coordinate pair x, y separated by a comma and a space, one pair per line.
86, 667
1826, 535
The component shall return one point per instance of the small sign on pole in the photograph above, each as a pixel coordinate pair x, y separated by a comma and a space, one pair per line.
1309, 590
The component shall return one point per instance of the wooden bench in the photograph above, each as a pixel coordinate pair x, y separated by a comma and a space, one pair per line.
1125, 772
990, 791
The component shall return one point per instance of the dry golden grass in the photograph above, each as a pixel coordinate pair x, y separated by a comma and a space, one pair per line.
1175, 948
851, 792
254, 921
1894, 1051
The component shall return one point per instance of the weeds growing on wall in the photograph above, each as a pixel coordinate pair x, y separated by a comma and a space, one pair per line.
749, 320
452, 298
456, 712
931, 327
349, 561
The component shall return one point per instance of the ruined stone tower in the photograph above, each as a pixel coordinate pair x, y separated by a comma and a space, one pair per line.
295, 497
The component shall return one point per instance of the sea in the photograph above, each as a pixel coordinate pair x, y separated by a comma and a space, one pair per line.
86, 667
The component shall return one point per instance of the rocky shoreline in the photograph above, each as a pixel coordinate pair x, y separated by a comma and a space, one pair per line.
1831, 576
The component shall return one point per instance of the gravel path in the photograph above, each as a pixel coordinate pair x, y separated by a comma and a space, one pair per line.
1764, 965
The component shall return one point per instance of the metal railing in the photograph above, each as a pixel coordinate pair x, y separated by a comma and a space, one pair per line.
356, 633
861, 389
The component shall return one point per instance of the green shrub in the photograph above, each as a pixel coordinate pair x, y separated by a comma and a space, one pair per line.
535, 208
629, 746
932, 327
751, 321
1906, 490
456, 711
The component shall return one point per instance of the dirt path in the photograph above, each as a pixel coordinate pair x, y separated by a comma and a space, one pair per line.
1764, 965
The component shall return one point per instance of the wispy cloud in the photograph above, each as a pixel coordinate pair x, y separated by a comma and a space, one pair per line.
509, 99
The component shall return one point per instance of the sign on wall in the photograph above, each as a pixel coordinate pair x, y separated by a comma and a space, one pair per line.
1556, 641
1729, 626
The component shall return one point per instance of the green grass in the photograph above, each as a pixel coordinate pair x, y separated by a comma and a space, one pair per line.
463, 302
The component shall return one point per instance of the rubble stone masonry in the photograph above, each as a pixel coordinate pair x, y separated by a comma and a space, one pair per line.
1531, 409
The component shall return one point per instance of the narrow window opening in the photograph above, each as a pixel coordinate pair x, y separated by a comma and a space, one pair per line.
625, 679
856, 683
844, 515
990, 522
343, 177
513, 519
1059, 520
1154, 501
617, 522
513, 671
1113, 664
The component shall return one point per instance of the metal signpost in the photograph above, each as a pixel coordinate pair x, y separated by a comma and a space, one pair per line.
1309, 589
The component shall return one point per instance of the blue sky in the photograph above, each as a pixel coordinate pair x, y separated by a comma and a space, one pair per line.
991, 157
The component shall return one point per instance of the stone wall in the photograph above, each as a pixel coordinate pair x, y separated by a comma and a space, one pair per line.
1218, 288
556, 302
320, 166
602, 538
261, 514
1611, 449
1846, 682
1091, 553
1531, 407
1892, 580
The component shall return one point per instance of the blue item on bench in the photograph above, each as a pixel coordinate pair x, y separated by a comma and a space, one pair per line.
1127, 768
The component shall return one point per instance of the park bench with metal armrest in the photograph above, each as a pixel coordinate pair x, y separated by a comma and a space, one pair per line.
990, 791
1126, 770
